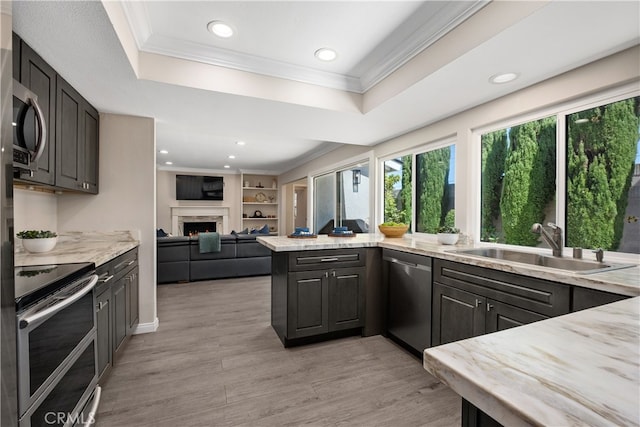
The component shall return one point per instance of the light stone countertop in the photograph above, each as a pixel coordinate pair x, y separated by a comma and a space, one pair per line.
76, 246
623, 281
580, 369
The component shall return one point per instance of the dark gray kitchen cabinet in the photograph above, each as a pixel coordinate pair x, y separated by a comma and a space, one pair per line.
119, 315
104, 328
39, 77
70, 158
323, 301
469, 301
116, 308
408, 289
457, 314
132, 286
317, 292
584, 298
76, 140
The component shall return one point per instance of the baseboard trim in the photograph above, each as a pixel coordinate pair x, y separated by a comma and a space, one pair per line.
145, 328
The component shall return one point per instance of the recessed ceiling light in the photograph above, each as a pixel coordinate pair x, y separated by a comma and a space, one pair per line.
220, 29
168, 163
240, 143
164, 152
231, 156
326, 54
503, 78
227, 166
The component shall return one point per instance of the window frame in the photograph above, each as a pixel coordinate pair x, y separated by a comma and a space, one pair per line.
560, 111
413, 152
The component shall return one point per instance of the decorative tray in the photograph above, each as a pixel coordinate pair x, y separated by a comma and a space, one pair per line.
342, 235
302, 236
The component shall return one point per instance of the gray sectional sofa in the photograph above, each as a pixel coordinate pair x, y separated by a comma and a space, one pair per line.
180, 260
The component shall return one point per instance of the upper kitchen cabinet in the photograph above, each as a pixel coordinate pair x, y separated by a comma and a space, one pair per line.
76, 140
70, 159
40, 78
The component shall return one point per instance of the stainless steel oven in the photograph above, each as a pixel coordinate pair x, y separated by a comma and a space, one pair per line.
56, 342
29, 128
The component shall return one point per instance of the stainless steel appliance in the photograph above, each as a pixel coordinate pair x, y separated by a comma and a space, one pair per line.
56, 344
8, 397
410, 283
29, 128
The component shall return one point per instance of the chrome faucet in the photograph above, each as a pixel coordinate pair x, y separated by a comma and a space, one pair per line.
555, 240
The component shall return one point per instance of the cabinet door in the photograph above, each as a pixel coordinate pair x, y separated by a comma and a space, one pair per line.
502, 316
68, 136
104, 330
90, 148
456, 314
308, 307
38, 76
132, 300
346, 298
119, 314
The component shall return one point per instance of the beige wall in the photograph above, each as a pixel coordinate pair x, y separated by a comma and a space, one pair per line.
615, 71
167, 197
34, 210
127, 197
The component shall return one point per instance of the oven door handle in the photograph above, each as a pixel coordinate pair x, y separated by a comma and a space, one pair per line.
61, 305
91, 418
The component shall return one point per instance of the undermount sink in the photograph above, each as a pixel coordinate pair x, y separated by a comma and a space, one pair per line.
569, 264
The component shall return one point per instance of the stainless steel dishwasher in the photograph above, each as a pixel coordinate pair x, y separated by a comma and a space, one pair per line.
409, 298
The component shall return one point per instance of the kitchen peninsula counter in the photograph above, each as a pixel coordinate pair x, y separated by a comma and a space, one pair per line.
578, 369
76, 246
624, 281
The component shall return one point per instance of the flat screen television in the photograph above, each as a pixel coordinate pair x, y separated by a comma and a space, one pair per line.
199, 187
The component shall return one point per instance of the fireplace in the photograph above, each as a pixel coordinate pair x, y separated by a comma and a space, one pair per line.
193, 228
181, 216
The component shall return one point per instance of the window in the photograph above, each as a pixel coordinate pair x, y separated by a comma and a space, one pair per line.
599, 203
603, 177
341, 198
518, 182
429, 200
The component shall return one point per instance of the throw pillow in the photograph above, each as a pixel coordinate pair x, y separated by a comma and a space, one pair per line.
161, 233
264, 230
245, 231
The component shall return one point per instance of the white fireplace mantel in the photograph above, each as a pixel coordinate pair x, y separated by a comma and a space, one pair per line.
182, 214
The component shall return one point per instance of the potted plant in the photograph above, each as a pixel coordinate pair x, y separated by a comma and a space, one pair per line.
448, 233
394, 225
38, 241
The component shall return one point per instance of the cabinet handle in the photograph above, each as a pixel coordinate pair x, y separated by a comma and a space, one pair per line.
326, 274
489, 307
478, 302
333, 273
328, 259
106, 279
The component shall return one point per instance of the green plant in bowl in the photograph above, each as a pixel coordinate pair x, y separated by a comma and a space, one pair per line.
447, 229
36, 234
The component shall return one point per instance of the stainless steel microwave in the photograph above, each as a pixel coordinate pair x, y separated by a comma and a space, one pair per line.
29, 128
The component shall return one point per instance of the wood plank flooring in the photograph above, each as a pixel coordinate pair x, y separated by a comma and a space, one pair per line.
215, 361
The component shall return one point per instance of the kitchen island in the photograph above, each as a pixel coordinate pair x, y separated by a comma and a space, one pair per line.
580, 369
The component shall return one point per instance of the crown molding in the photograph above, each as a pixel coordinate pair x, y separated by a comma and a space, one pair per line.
139, 22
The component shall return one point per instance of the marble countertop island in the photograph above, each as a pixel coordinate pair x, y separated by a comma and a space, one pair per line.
580, 369
624, 281
95, 246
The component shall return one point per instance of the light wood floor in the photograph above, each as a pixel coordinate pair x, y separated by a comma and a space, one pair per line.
215, 361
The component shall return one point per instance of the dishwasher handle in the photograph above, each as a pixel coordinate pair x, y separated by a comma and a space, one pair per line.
407, 264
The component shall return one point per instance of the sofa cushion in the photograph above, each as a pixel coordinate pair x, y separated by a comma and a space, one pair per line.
249, 247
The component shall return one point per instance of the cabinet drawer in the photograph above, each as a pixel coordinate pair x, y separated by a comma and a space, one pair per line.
332, 258
539, 296
125, 261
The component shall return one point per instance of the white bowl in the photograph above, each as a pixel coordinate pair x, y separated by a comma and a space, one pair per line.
448, 238
39, 245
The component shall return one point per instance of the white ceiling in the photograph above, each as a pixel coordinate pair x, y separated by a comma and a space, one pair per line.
401, 65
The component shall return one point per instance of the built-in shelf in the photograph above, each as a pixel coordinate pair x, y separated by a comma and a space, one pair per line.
261, 186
